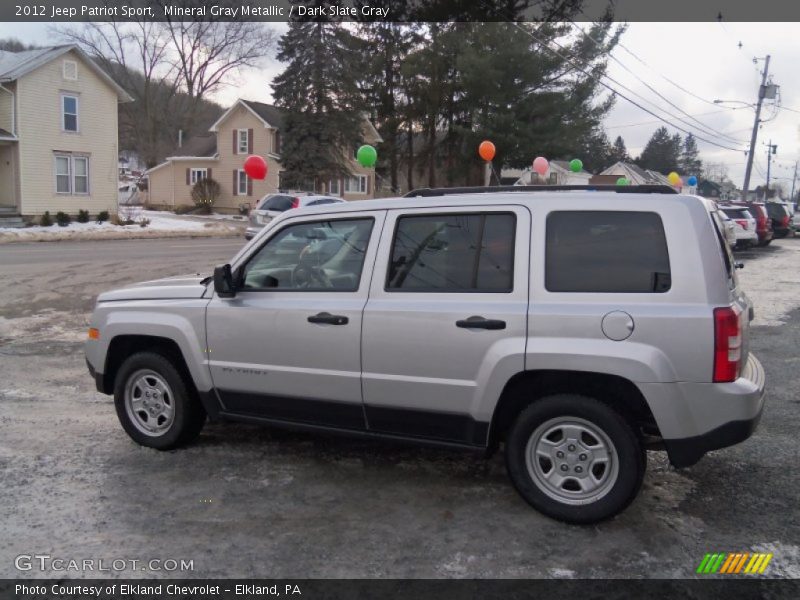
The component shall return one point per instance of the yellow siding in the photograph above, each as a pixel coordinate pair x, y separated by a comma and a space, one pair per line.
39, 131
167, 185
6, 109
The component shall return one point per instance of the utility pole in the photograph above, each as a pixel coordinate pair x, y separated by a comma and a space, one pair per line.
771, 149
761, 93
794, 180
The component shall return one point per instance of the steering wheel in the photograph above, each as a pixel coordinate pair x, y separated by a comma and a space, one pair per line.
305, 276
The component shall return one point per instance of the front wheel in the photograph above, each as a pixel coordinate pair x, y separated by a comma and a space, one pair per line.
575, 459
154, 404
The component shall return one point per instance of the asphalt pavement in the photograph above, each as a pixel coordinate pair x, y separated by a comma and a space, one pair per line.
247, 500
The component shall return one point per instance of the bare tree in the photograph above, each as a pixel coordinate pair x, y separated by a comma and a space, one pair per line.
205, 54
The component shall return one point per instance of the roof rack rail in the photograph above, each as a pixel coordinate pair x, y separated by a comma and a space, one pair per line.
619, 189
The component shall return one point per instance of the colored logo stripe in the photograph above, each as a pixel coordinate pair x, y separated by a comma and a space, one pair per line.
734, 562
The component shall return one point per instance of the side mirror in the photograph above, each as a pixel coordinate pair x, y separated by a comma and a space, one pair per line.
223, 282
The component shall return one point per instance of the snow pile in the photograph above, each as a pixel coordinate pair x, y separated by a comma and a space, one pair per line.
162, 224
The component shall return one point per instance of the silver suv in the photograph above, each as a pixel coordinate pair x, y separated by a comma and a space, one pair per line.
575, 328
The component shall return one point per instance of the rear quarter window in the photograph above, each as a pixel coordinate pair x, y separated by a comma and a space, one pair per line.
277, 203
606, 252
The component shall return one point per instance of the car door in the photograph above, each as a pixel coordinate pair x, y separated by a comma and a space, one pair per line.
444, 326
287, 345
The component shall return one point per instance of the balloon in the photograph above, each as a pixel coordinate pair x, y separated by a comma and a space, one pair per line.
540, 165
255, 167
622, 181
674, 178
692, 181
366, 156
575, 165
486, 150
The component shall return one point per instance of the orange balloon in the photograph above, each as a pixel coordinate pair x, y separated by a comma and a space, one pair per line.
486, 150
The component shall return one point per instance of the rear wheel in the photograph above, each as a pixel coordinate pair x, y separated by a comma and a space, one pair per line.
575, 459
154, 404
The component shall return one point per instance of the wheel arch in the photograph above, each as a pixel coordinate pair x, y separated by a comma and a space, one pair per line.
526, 387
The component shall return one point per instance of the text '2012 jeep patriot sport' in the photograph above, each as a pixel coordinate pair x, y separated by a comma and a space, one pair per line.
576, 327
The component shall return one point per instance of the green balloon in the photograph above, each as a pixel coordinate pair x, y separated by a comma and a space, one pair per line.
367, 156
575, 165
622, 181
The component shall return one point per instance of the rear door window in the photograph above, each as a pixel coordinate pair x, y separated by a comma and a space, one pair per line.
453, 253
606, 252
278, 203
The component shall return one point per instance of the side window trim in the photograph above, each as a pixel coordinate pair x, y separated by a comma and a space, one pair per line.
451, 213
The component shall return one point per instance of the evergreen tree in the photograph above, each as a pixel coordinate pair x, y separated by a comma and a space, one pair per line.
619, 153
690, 162
319, 90
662, 152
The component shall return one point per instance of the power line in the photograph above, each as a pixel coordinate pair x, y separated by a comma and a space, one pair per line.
704, 128
572, 61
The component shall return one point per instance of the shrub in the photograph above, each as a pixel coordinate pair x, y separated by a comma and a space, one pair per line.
46, 220
182, 209
63, 219
144, 222
103, 216
114, 219
205, 193
83, 216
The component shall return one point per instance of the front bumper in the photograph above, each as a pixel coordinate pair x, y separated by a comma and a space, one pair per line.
728, 413
252, 231
98, 377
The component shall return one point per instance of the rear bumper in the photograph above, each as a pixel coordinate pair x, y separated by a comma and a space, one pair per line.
728, 413
251, 232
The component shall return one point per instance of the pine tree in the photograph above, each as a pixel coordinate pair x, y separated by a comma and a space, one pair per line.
662, 152
619, 153
690, 162
319, 92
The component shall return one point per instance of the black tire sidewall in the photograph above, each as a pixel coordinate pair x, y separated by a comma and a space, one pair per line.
629, 453
155, 362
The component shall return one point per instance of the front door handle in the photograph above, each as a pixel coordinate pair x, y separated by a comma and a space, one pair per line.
481, 323
328, 319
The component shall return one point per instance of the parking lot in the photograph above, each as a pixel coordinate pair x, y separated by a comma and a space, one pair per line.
246, 500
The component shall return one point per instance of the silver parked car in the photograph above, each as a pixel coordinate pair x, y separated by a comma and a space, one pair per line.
575, 329
272, 205
745, 222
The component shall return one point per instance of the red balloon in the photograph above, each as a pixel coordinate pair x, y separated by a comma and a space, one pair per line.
255, 166
486, 150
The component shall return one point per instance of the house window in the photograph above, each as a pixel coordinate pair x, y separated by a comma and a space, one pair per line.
63, 179
196, 175
241, 187
70, 70
72, 174
333, 187
277, 147
356, 184
69, 112
244, 141
80, 174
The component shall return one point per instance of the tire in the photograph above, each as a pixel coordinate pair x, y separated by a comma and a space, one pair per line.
173, 415
611, 485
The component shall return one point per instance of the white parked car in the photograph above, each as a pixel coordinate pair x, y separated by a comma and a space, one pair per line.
745, 223
272, 205
728, 226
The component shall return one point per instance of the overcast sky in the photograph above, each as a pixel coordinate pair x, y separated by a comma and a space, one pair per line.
703, 58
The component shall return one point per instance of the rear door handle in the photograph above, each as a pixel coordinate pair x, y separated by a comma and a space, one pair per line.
328, 319
480, 323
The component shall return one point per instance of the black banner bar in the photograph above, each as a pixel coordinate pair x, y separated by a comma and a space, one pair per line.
400, 10
414, 589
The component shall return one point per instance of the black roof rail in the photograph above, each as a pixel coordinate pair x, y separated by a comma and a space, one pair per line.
619, 189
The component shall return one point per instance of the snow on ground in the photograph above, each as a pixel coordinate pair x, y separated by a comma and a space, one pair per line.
162, 224
773, 282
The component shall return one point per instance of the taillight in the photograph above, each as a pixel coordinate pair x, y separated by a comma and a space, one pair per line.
295, 202
742, 222
727, 344
786, 221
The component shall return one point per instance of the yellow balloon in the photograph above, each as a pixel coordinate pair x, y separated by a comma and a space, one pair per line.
674, 178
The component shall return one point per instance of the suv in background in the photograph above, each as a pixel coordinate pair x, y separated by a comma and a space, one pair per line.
575, 328
763, 222
745, 222
781, 217
271, 205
